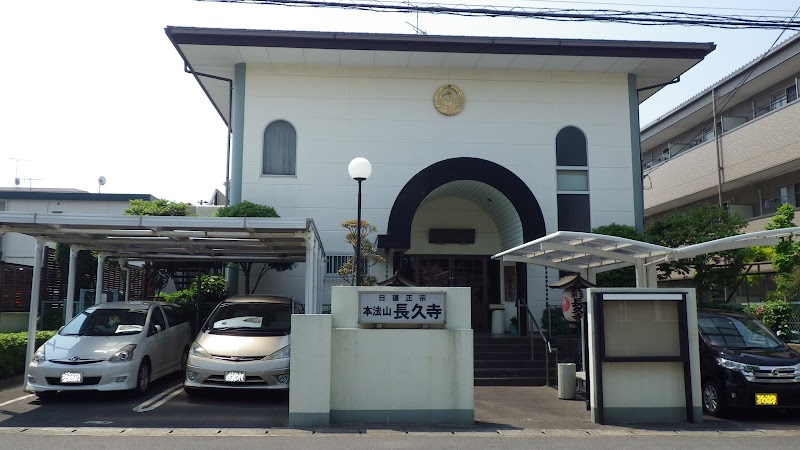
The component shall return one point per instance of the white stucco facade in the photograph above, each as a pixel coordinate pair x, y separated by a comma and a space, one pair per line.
490, 167
387, 116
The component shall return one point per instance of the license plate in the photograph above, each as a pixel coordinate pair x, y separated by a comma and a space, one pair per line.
234, 377
71, 377
766, 399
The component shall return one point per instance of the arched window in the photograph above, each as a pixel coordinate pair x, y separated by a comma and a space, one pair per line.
570, 147
572, 180
280, 149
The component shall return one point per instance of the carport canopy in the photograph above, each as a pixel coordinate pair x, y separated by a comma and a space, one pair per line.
149, 238
590, 253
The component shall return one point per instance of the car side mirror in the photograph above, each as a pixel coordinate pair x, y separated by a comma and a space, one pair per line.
158, 328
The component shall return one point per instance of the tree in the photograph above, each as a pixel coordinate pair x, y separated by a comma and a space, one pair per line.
84, 271
785, 256
250, 209
626, 276
701, 224
369, 256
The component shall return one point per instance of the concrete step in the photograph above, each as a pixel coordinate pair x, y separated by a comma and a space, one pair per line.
521, 381
513, 372
503, 363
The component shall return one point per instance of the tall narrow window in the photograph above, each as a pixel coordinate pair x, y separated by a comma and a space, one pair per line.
280, 149
572, 180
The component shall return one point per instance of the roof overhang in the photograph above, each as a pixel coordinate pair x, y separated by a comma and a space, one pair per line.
215, 52
143, 238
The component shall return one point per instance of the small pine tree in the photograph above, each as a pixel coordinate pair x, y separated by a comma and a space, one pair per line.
369, 256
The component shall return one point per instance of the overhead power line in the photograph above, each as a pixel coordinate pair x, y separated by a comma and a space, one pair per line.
552, 14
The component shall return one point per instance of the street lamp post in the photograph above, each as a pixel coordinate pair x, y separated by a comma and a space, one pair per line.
359, 169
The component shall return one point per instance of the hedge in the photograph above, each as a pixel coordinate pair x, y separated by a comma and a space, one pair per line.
12, 351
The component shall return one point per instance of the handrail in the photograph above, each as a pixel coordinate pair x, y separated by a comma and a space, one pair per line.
550, 349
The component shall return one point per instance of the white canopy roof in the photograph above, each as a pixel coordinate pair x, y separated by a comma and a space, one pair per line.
574, 251
235, 239
578, 252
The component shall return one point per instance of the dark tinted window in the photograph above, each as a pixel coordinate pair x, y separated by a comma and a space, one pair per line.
106, 322
173, 317
737, 332
570, 147
573, 212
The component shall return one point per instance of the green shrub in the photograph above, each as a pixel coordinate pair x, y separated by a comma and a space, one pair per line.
52, 319
12, 351
732, 307
775, 314
213, 289
556, 323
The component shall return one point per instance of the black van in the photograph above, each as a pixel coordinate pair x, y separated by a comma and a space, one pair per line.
744, 365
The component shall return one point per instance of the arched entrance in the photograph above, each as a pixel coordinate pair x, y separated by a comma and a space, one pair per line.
451, 217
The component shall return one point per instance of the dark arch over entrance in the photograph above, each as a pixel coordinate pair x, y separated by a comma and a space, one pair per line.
398, 233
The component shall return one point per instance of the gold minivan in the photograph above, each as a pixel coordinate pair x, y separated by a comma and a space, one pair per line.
244, 344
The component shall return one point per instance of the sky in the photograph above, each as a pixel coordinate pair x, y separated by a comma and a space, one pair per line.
94, 88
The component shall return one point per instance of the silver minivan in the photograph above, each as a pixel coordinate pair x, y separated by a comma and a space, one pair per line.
244, 344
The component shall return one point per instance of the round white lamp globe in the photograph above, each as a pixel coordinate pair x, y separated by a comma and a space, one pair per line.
359, 168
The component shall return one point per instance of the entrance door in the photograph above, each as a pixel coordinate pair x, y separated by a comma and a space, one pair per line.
458, 271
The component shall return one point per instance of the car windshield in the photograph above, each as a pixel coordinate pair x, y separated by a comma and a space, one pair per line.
737, 333
106, 322
257, 318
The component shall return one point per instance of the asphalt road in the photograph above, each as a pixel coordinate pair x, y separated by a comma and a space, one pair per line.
505, 417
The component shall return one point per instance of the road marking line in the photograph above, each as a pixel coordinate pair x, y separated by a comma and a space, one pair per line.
16, 400
167, 396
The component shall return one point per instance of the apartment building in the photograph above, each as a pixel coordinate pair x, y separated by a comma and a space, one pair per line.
735, 144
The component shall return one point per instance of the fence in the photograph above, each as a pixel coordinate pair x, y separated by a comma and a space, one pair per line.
794, 324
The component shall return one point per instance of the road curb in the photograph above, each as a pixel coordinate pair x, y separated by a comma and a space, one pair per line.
302, 432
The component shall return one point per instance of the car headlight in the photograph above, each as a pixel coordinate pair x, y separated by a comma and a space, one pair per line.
39, 357
197, 350
124, 354
279, 354
733, 365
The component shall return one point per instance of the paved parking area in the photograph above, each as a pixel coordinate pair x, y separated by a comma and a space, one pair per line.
497, 410
165, 405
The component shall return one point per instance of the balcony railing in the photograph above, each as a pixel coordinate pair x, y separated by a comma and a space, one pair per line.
727, 123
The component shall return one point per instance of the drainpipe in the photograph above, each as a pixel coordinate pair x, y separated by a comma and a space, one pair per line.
231, 274
188, 69
717, 143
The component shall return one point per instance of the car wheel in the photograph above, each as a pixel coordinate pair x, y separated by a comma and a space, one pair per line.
184, 360
191, 392
46, 395
713, 399
142, 378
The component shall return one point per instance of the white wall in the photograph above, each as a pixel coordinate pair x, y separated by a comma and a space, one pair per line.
382, 376
19, 248
453, 213
387, 116
640, 323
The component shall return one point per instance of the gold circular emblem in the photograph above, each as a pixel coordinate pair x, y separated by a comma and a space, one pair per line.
449, 100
